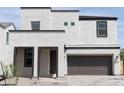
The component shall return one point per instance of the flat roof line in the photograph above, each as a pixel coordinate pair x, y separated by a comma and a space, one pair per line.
36, 31
97, 18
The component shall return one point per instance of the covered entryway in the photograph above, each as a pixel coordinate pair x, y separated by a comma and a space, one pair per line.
89, 65
23, 61
47, 61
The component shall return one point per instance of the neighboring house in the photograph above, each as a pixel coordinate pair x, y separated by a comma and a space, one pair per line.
62, 42
4, 39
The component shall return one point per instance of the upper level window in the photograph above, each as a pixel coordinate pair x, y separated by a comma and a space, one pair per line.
28, 57
101, 28
7, 37
35, 25
65, 23
72, 23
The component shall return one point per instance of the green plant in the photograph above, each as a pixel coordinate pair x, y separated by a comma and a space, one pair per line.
6, 72
10, 70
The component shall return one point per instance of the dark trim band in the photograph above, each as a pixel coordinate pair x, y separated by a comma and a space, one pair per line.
49, 8
57, 31
97, 18
35, 7
64, 10
92, 47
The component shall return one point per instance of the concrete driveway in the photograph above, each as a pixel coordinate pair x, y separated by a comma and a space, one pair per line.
95, 80
81, 80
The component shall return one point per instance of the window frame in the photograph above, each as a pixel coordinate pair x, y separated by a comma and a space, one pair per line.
27, 57
98, 29
35, 23
7, 37
65, 23
72, 23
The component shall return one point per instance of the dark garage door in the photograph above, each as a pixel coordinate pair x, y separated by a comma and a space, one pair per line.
89, 65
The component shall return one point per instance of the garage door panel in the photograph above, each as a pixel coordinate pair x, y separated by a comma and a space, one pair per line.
89, 72
89, 65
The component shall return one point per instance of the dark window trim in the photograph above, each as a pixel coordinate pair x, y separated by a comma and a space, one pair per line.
25, 65
105, 29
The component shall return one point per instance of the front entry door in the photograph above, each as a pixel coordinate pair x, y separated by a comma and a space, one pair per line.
53, 61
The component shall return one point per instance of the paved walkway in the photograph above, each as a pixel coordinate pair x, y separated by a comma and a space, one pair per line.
72, 81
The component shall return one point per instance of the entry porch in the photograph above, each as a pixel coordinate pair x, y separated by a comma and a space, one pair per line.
39, 61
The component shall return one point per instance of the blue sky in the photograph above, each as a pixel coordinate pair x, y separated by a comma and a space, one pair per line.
13, 15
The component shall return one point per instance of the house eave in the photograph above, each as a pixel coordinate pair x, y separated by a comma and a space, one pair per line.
64, 10
81, 18
92, 47
19, 31
35, 7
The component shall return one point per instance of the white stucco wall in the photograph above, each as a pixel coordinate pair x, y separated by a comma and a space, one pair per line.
35, 38
84, 31
71, 32
42, 15
88, 33
52, 20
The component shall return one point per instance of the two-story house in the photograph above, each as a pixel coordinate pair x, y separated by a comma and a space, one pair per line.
62, 42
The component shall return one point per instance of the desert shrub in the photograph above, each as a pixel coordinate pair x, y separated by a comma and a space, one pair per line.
10, 70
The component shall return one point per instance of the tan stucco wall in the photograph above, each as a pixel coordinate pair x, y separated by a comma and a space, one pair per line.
21, 70
44, 60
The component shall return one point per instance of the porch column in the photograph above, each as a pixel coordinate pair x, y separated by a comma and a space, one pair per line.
66, 65
35, 65
61, 62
